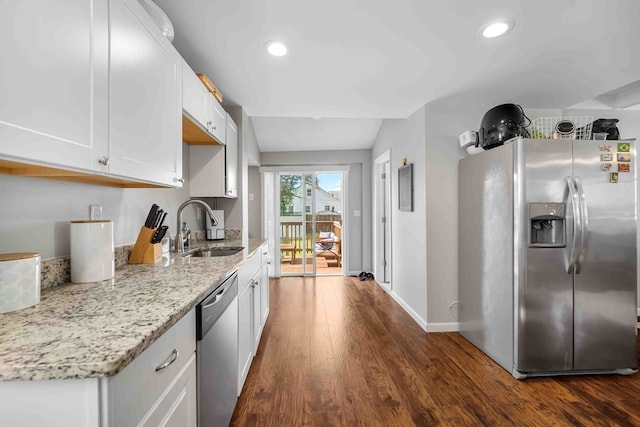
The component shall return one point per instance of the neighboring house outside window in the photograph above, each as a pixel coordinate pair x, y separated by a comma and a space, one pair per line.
307, 209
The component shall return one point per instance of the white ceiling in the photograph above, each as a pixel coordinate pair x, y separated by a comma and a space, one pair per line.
360, 61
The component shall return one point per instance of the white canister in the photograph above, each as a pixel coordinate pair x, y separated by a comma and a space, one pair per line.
92, 251
19, 281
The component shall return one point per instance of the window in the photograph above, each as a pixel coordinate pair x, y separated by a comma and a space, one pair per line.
307, 209
309, 192
327, 207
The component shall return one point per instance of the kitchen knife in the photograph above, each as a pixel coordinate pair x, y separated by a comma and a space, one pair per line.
159, 234
151, 216
156, 221
164, 215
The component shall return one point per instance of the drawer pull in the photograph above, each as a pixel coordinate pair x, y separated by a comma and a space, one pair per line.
172, 358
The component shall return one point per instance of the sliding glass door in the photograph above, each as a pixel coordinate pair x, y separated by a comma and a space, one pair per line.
311, 221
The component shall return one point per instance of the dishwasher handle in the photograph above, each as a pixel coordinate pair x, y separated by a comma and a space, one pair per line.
216, 298
212, 307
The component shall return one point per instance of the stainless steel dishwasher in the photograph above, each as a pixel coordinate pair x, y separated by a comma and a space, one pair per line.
217, 354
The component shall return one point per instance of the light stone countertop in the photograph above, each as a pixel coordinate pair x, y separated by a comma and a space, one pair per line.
96, 329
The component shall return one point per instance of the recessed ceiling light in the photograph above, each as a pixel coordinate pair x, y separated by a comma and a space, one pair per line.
496, 29
276, 48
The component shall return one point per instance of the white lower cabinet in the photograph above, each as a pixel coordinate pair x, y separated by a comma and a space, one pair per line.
264, 289
245, 341
157, 389
177, 406
256, 282
251, 307
161, 376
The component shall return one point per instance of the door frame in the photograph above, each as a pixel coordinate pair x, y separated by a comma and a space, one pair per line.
299, 169
378, 234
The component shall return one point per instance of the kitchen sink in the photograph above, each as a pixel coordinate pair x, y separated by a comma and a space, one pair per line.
216, 252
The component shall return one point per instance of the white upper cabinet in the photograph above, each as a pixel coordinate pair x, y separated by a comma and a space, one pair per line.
218, 118
53, 82
231, 160
205, 117
145, 76
195, 97
89, 90
213, 169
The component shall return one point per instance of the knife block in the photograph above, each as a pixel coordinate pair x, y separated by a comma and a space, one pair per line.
145, 252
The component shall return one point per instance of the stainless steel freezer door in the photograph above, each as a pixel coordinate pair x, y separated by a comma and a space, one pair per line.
605, 285
544, 315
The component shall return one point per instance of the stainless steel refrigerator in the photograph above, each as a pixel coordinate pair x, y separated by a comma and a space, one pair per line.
547, 256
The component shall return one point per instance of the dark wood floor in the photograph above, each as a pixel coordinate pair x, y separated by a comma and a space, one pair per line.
337, 351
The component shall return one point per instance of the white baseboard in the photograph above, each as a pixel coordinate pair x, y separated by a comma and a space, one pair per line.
419, 320
443, 327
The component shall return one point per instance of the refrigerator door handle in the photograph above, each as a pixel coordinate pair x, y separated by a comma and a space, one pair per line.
584, 222
577, 224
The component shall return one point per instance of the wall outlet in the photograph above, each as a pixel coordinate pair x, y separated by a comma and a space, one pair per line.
95, 212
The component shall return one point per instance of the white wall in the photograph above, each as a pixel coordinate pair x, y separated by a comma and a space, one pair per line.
406, 138
445, 120
35, 212
359, 192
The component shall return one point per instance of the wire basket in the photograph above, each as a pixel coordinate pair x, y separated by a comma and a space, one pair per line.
561, 127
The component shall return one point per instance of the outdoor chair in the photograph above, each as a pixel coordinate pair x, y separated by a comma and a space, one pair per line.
328, 244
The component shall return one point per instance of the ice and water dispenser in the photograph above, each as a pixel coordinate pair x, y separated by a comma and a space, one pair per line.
547, 223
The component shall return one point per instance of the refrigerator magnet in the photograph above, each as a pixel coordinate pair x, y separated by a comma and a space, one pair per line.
624, 157
624, 167
605, 147
624, 147
607, 167
613, 177
606, 157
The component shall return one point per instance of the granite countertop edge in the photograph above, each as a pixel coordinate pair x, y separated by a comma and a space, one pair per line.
94, 330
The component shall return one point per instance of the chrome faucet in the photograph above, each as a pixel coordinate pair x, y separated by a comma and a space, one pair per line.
179, 237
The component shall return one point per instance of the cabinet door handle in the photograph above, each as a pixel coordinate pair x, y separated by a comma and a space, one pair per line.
104, 160
172, 358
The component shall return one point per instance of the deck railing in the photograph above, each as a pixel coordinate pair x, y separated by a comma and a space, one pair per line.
291, 232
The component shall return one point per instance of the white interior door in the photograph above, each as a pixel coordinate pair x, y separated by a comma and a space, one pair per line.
382, 218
